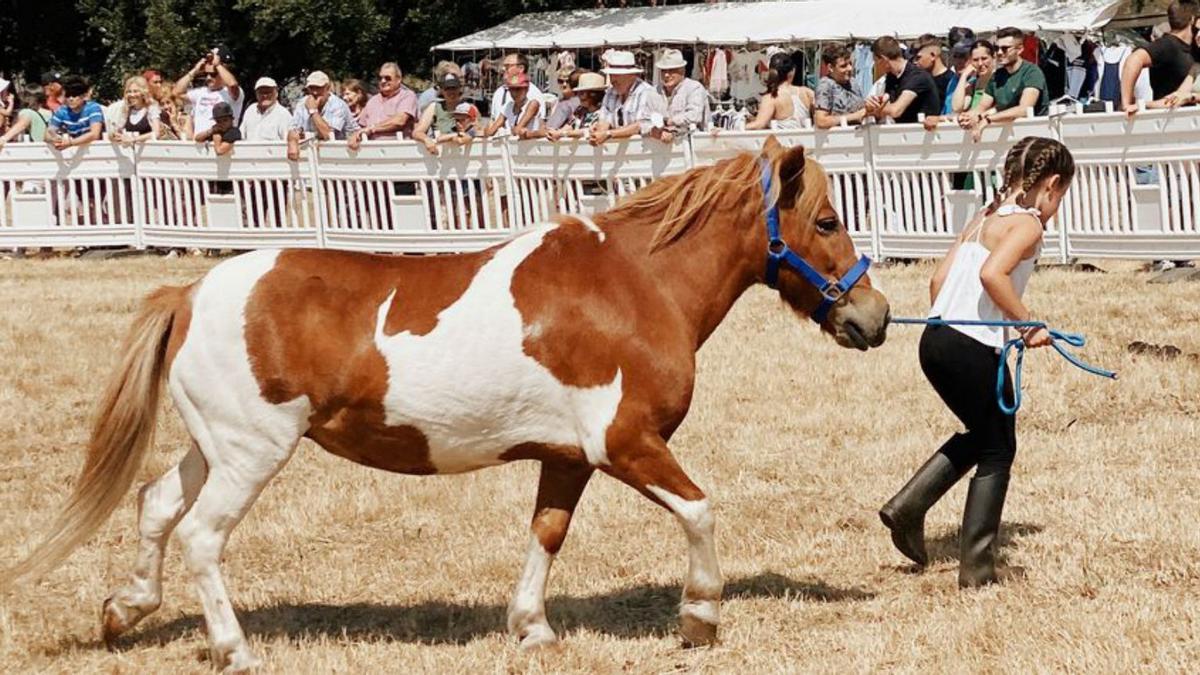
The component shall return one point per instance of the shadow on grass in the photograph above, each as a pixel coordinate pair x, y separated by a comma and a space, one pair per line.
945, 546
648, 610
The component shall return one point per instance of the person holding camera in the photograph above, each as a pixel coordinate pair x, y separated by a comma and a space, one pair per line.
214, 84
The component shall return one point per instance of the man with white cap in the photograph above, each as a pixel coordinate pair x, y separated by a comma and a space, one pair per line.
321, 113
269, 120
631, 105
687, 100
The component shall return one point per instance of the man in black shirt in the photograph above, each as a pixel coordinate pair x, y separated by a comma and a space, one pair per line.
927, 53
1169, 59
909, 89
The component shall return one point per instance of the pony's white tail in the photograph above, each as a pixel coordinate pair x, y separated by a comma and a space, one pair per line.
123, 430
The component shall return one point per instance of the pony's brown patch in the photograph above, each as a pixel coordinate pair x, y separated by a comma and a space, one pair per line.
415, 309
310, 326
570, 311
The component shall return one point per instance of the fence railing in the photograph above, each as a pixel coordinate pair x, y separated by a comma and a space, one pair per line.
902, 191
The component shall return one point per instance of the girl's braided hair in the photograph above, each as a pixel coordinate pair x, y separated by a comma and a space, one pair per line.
1046, 157
1014, 172
1031, 160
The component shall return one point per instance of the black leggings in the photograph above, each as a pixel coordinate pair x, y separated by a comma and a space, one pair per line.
963, 372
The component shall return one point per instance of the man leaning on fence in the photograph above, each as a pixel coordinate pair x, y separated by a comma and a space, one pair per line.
1170, 60
320, 113
1016, 88
268, 120
687, 99
391, 111
631, 105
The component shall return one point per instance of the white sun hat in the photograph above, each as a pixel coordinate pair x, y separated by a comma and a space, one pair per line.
621, 63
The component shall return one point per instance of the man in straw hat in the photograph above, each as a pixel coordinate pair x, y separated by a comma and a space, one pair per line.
687, 100
631, 105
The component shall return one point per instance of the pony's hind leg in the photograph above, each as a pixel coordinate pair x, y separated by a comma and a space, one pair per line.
161, 503
559, 489
648, 466
238, 470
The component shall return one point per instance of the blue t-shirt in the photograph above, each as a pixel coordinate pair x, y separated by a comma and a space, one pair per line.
77, 124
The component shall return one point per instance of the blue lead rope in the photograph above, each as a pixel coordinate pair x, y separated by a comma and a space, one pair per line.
1057, 339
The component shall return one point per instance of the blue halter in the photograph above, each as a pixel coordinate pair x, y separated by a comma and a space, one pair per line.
778, 254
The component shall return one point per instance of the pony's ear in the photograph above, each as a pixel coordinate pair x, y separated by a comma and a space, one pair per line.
772, 148
791, 165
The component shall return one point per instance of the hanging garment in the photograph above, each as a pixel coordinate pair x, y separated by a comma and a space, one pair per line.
718, 71
1108, 88
1054, 67
1031, 48
864, 67
1076, 66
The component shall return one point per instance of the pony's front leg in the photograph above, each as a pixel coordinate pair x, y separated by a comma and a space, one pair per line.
559, 489
648, 466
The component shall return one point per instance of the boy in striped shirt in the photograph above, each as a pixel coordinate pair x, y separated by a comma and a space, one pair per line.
78, 121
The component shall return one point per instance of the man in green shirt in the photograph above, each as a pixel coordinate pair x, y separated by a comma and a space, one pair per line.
1017, 87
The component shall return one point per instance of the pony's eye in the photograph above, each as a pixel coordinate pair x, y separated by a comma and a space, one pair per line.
827, 225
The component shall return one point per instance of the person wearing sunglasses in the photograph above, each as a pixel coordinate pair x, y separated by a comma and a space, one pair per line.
393, 110
1017, 86
564, 110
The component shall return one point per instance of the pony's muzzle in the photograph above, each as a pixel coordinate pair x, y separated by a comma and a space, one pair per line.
861, 320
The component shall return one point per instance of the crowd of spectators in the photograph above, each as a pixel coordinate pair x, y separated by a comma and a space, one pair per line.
961, 80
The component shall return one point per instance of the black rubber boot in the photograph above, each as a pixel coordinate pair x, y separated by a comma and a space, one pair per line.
904, 514
980, 526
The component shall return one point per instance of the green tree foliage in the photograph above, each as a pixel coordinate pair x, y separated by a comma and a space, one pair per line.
107, 40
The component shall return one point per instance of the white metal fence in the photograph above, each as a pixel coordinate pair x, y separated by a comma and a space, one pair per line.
902, 191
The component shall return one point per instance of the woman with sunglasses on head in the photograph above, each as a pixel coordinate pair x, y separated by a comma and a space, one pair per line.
568, 78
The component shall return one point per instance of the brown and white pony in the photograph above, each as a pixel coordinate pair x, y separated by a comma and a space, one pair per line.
572, 344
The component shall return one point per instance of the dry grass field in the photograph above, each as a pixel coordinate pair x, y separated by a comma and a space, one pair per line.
342, 568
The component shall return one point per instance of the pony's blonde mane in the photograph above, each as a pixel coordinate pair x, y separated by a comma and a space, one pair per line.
686, 201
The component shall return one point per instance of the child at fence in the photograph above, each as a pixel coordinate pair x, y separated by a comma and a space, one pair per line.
981, 278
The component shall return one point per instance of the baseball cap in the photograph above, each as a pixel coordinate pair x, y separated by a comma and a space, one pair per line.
450, 81
316, 78
517, 81
961, 50
265, 82
221, 110
467, 109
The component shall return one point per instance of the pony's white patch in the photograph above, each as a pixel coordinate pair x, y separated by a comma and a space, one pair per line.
590, 224
213, 367
704, 573
471, 389
528, 605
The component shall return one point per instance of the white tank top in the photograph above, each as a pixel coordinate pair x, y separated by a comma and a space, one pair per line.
962, 296
800, 115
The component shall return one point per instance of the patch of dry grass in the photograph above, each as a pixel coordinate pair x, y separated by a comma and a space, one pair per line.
342, 568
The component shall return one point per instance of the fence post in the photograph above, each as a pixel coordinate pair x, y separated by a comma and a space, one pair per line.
1064, 240
314, 171
510, 185
875, 222
139, 202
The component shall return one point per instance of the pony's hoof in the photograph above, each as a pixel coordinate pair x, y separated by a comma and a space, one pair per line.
697, 632
236, 662
538, 635
112, 624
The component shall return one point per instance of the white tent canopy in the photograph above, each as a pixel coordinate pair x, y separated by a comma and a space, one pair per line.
781, 22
